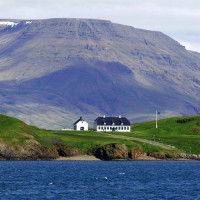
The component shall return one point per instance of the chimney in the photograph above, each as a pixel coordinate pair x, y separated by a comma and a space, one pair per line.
81, 118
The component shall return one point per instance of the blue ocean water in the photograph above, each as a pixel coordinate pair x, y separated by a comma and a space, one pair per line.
99, 180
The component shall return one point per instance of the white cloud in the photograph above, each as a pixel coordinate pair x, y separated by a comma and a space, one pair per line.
191, 45
176, 18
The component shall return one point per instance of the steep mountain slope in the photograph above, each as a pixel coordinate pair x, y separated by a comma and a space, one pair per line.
52, 71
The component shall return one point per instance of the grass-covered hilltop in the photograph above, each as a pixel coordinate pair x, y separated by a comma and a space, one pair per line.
175, 138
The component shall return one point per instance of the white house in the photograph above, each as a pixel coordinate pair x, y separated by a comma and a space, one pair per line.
106, 124
81, 125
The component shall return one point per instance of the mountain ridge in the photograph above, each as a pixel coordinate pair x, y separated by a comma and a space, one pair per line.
52, 71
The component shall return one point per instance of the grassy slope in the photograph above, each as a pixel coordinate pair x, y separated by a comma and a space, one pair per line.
186, 136
15, 132
87, 140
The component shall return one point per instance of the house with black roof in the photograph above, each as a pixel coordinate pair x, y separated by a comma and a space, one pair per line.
107, 124
81, 125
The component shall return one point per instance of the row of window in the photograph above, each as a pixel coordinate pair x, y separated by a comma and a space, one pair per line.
113, 128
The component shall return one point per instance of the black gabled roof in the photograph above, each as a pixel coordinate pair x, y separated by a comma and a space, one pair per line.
110, 120
80, 119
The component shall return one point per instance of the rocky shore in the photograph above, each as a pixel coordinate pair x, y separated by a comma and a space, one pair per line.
33, 150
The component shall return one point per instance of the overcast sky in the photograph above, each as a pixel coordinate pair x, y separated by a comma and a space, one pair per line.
176, 18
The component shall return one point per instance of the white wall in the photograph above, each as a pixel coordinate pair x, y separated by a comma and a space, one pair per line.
120, 128
80, 125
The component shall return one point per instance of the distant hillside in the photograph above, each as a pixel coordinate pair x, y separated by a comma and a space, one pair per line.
53, 71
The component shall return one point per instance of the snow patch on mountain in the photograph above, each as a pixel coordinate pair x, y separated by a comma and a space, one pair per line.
8, 23
28, 22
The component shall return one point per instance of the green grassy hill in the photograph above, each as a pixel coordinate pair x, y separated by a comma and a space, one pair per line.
15, 133
181, 132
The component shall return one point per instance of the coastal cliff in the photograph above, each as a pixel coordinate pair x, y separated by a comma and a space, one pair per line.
32, 150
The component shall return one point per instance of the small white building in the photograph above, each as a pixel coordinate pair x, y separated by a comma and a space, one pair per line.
81, 125
107, 124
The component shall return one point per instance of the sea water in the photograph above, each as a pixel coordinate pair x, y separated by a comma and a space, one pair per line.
99, 180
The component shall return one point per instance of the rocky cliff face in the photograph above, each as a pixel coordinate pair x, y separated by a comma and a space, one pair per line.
33, 150
52, 71
121, 152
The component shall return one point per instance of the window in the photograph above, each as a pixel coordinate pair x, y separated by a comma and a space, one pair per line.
115, 128
99, 127
111, 128
127, 128
124, 128
107, 128
104, 127
119, 128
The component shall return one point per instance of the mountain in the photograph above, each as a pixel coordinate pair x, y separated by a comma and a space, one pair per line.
53, 71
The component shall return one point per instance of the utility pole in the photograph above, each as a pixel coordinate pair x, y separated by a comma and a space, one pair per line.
156, 119
157, 113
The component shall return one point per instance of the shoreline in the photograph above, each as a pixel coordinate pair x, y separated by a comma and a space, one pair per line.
78, 158
93, 158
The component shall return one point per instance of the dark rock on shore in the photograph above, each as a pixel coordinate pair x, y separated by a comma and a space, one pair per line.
118, 152
135, 153
111, 152
66, 151
189, 156
31, 150
163, 155
121, 152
